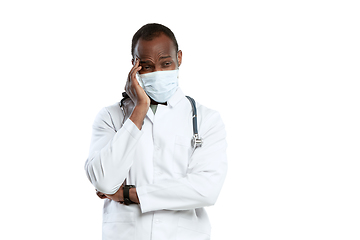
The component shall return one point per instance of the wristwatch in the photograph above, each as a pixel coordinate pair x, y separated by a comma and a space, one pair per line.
127, 200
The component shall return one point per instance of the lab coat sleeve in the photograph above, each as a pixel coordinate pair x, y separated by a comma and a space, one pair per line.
202, 184
108, 162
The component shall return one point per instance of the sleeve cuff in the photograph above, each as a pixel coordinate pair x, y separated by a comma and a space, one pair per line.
143, 199
132, 129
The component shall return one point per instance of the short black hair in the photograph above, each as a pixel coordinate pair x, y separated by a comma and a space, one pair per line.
151, 30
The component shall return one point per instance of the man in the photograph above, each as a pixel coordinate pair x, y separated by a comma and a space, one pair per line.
144, 151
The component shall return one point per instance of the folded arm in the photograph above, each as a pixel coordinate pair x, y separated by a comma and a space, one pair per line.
202, 184
108, 163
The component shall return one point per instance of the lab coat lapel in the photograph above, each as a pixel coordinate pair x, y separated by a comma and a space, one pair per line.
150, 115
178, 95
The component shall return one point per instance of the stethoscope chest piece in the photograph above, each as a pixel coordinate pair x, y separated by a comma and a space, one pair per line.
196, 141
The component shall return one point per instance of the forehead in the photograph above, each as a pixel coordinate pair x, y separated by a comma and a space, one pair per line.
156, 47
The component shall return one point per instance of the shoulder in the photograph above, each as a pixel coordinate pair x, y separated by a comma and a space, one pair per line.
204, 114
113, 110
202, 110
109, 111
209, 118
211, 129
109, 116
207, 113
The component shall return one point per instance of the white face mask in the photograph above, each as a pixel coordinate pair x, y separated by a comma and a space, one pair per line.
160, 85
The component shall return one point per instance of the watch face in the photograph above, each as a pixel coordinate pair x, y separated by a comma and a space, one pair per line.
127, 201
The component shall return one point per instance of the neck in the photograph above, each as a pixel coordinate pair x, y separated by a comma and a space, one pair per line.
153, 102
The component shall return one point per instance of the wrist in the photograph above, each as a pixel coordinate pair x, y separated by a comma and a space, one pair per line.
138, 115
143, 104
133, 195
127, 199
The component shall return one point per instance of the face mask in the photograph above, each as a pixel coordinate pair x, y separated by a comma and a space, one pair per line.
160, 85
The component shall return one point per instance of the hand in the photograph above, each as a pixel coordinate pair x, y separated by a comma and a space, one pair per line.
118, 196
138, 96
133, 195
100, 194
133, 88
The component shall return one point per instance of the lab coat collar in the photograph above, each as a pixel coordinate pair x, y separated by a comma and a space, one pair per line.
176, 98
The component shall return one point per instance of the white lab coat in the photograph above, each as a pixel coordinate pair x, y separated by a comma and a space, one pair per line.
173, 181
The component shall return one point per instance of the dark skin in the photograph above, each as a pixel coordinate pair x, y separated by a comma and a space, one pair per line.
159, 54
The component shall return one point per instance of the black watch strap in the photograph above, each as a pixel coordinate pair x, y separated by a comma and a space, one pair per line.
127, 200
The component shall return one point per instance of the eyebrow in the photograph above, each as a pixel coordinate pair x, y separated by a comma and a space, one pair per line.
165, 57
149, 62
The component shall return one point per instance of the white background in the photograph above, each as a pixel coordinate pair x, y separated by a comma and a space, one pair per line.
283, 74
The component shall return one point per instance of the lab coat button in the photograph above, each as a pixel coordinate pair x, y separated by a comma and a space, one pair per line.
157, 221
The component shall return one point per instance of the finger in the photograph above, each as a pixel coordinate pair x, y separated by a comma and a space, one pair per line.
133, 73
137, 62
109, 197
132, 70
100, 195
134, 79
136, 65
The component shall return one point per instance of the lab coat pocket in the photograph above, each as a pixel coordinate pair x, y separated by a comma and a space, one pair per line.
193, 230
120, 225
181, 154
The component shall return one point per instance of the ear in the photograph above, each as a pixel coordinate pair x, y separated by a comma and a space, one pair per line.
132, 61
179, 57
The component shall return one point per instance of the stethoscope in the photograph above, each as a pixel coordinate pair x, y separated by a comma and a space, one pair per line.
196, 141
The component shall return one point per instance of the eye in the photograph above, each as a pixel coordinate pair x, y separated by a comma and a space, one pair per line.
146, 67
167, 64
